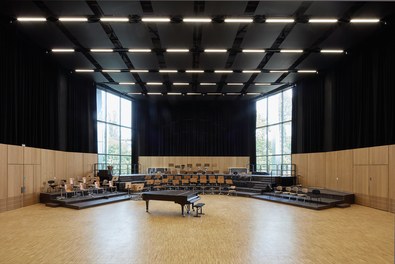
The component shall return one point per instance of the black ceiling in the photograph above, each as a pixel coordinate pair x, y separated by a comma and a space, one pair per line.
83, 36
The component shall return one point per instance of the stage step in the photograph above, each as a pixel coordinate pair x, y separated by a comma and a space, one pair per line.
52, 204
343, 205
92, 203
300, 203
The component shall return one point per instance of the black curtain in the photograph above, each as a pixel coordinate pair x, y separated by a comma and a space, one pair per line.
187, 127
41, 105
351, 106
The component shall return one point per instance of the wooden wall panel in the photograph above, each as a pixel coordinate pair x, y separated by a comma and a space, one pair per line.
391, 178
361, 184
378, 189
60, 165
3, 178
331, 170
316, 170
345, 170
378, 155
361, 156
47, 165
89, 161
301, 162
74, 165
28, 183
31, 155
15, 154
38, 183
14, 183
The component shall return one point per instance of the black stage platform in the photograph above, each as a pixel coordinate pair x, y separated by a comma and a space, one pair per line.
326, 199
82, 202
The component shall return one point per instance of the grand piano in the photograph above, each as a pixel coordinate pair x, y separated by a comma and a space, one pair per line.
183, 198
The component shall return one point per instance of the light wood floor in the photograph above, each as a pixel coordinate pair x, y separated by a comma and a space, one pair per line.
234, 230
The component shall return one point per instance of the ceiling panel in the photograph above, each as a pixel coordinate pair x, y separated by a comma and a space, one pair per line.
144, 60
120, 8
110, 60
319, 61
218, 36
67, 9
175, 35
277, 9
213, 60
282, 60
267, 77
178, 61
72, 61
173, 8
132, 35
248, 61
90, 35
328, 9
261, 36
303, 36
232, 8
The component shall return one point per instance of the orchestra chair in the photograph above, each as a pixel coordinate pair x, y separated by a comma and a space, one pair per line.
203, 182
158, 185
287, 191
178, 177
128, 187
213, 182
294, 192
232, 190
97, 187
137, 189
51, 186
220, 181
111, 186
316, 194
303, 194
176, 184
193, 182
84, 180
149, 184
83, 188
170, 177
185, 184
105, 185
158, 176
187, 177
68, 188
279, 190
147, 177
165, 183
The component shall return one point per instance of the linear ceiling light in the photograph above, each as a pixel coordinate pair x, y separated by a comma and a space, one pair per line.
180, 83
307, 71
126, 83
232, 93
62, 50
102, 50
139, 50
253, 50
323, 20
365, 20
154, 83
73, 19
215, 50
235, 84
177, 50
168, 71
207, 84
174, 93
194, 94
194, 71
197, 20
262, 84
291, 51
252, 93
155, 19
238, 20
280, 20
154, 93
31, 19
138, 71
114, 19
331, 51
251, 71
111, 70
84, 70
223, 71
277, 71
135, 93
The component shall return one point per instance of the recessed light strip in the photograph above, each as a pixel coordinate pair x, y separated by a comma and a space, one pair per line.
238, 20
84, 70
102, 50
73, 19
31, 19
114, 19
194, 71
179, 83
223, 71
280, 20
331, 51
167, 71
126, 83
365, 20
291, 51
63, 50
215, 50
155, 19
138, 71
177, 50
197, 20
253, 50
323, 20
307, 71
139, 50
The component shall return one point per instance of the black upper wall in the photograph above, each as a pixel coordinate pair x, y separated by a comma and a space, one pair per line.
351, 106
187, 127
42, 105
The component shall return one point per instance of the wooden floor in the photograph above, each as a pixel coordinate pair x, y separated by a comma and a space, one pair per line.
234, 230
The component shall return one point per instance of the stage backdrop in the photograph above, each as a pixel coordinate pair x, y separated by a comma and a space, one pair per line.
188, 127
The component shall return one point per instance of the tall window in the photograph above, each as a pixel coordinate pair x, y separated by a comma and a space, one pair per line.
273, 132
114, 132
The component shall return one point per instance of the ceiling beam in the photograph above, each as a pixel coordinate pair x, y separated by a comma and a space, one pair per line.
48, 12
315, 46
241, 32
278, 41
96, 9
198, 8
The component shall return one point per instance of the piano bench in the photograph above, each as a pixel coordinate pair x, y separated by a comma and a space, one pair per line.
198, 206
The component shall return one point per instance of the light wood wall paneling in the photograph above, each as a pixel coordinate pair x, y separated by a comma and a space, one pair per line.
3, 178
331, 170
14, 196
90, 160
75, 165
361, 156
28, 183
15, 154
316, 170
378, 188
301, 162
345, 170
32, 155
378, 155
361, 184
61, 165
48, 165
391, 178
38, 183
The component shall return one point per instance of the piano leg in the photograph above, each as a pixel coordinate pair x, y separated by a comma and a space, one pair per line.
182, 210
146, 205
